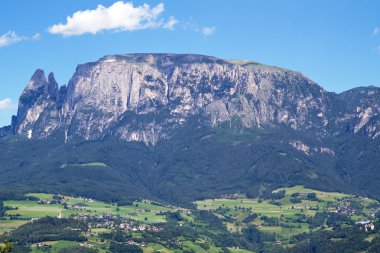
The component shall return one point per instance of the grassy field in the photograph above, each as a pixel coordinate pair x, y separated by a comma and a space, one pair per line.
56, 246
31, 209
254, 205
239, 250
9, 225
44, 196
140, 211
25, 210
287, 215
284, 210
150, 248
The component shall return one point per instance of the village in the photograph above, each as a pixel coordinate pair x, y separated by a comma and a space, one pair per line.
112, 221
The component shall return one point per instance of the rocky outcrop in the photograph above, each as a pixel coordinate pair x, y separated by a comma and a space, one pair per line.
144, 97
362, 111
37, 109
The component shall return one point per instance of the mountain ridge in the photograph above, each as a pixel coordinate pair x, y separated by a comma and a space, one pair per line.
184, 127
143, 97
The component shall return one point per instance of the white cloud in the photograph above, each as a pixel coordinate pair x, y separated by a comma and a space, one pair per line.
119, 16
376, 31
5, 103
37, 36
193, 26
170, 24
208, 31
12, 37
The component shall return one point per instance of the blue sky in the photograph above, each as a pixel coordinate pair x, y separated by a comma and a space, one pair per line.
336, 43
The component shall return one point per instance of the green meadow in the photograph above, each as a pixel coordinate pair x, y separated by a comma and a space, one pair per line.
283, 213
283, 210
9, 225
139, 211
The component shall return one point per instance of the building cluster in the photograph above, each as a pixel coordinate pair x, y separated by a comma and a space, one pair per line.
131, 226
140, 244
43, 246
51, 202
366, 225
112, 221
229, 196
87, 245
60, 200
97, 217
344, 209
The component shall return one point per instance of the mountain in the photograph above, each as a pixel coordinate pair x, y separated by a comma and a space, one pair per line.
143, 97
184, 127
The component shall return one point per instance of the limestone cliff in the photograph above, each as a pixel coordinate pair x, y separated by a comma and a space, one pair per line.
144, 97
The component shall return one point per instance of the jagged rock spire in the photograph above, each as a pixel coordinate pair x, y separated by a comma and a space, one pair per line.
37, 80
52, 86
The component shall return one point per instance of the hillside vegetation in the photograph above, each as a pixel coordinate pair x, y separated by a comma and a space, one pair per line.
197, 163
287, 220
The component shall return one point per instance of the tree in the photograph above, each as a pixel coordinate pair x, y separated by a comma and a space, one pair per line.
7, 248
77, 249
2, 209
124, 248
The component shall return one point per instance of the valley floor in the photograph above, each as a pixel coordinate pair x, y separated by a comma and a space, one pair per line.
280, 222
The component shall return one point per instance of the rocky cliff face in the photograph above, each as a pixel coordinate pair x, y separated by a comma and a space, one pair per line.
144, 97
37, 104
361, 114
